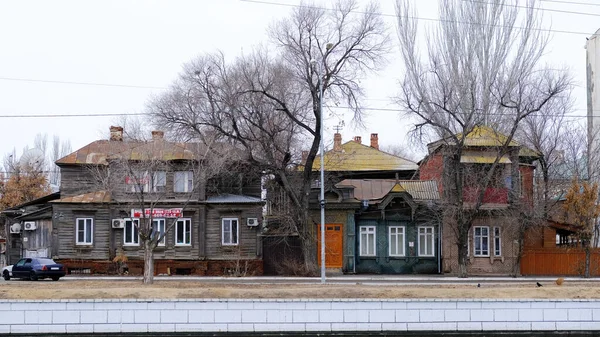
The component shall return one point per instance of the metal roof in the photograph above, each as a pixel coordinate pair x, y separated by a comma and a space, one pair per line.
374, 189
233, 199
87, 198
100, 151
354, 156
482, 157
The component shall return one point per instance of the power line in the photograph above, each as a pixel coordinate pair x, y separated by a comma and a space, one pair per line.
329, 106
417, 17
543, 9
73, 115
571, 3
80, 83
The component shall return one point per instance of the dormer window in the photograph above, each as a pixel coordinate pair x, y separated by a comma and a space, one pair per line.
183, 182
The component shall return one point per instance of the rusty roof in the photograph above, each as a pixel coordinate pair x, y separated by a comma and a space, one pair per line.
354, 156
100, 151
375, 189
87, 198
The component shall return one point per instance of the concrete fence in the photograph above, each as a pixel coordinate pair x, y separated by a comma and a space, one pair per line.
298, 315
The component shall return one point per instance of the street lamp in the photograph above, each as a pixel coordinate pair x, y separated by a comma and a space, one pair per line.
322, 150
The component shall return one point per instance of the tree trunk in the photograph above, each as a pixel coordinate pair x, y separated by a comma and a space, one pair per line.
462, 257
588, 252
148, 262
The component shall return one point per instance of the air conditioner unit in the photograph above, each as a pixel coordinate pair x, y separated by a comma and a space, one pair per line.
118, 223
15, 228
252, 222
29, 225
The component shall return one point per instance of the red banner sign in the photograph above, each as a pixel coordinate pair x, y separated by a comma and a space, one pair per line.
158, 213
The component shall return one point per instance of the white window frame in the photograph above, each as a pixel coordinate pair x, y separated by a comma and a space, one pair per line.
187, 229
399, 237
497, 234
159, 179
161, 222
479, 239
188, 181
231, 241
88, 238
426, 231
135, 229
367, 233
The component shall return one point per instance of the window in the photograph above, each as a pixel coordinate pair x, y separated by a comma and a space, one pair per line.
183, 232
139, 182
131, 234
426, 241
497, 242
367, 241
230, 231
481, 239
85, 227
521, 184
158, 228
396, 239
159, 181
184, 181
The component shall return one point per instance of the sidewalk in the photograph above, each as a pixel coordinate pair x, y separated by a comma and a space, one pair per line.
343, 279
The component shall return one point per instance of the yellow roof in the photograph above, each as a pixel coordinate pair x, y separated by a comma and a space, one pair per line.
480, 157
357, 157
485, 136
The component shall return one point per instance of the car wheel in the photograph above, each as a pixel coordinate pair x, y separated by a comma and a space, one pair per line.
5, 275
55, 278
33, 276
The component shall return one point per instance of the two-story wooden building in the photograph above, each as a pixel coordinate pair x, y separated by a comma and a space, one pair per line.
209, 216
493, 238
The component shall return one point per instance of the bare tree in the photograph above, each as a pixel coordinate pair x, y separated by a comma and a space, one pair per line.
268, 102
481, 68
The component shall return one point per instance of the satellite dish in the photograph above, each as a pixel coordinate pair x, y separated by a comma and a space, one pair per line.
32, 158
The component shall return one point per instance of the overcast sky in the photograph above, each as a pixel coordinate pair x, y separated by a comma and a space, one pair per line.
110, 57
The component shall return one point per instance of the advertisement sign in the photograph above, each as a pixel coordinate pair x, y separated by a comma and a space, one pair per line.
158, 213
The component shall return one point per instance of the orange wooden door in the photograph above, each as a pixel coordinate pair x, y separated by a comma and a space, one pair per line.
333, 245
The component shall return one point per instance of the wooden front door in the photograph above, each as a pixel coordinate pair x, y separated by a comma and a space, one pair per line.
333, 245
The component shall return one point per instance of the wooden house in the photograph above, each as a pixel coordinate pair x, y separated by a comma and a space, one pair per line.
377, 220
209, 221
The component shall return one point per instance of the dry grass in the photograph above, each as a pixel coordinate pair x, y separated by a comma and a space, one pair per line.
87, 289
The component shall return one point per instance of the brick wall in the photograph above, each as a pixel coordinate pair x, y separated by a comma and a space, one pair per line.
271, 315
241, 267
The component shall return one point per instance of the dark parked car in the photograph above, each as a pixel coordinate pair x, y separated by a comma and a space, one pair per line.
34, 268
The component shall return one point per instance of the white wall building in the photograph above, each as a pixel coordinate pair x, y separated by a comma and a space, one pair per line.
593, 97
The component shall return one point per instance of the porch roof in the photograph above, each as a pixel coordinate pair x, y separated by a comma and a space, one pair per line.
374, 189
87, 198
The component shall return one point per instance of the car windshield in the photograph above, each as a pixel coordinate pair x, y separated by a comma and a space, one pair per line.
46, 261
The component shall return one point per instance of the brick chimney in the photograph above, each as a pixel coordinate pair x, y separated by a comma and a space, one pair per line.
116, 133
358, 139
337, 142
374, 141
158, 135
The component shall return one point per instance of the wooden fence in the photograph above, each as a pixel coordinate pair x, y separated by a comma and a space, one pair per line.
559, 262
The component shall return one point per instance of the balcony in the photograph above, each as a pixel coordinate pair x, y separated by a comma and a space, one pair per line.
492, 195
